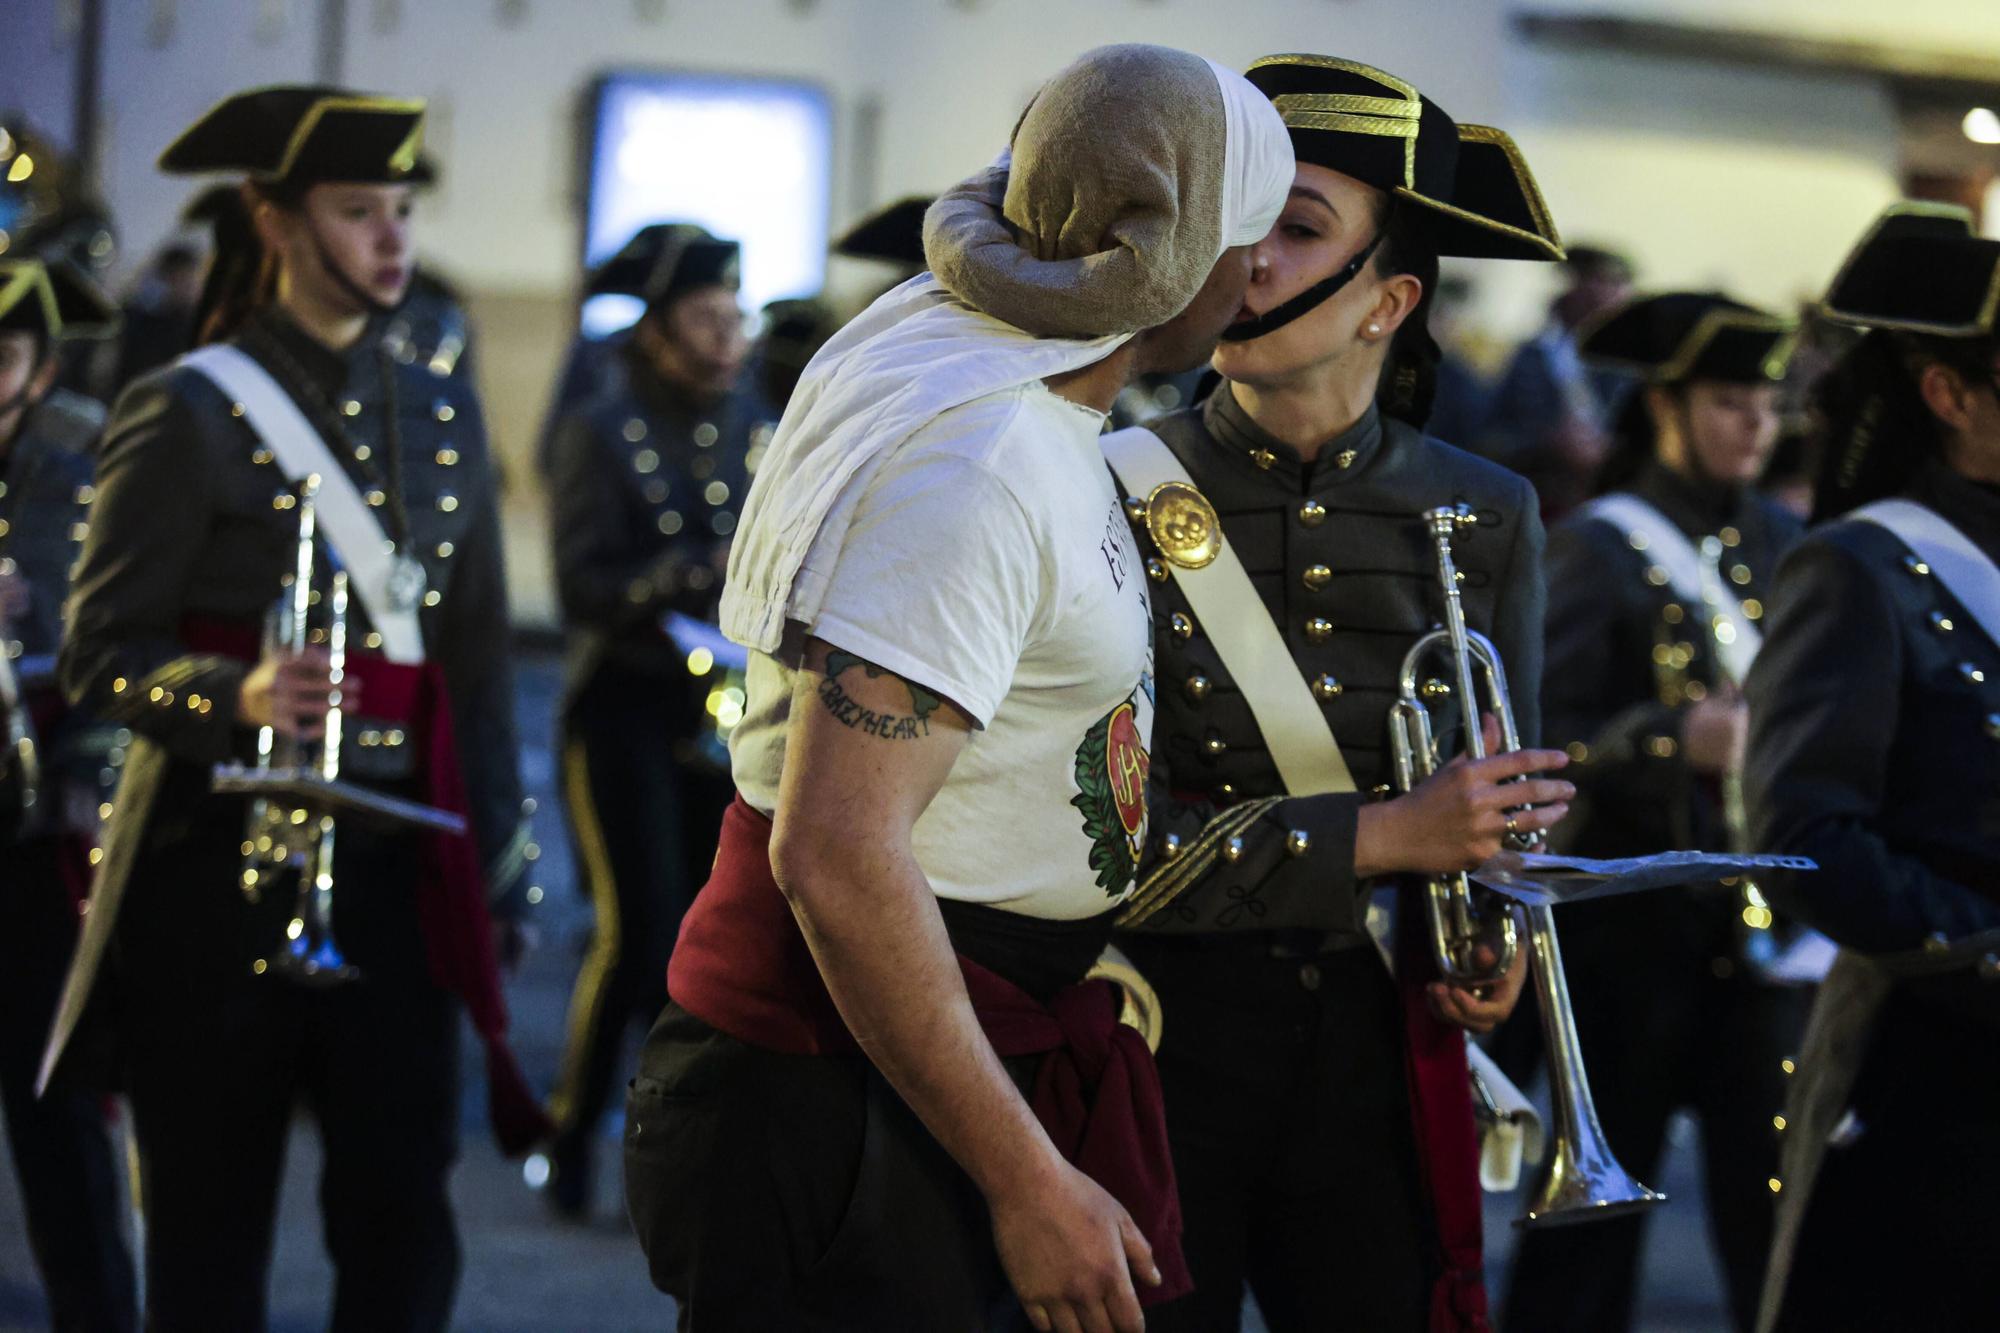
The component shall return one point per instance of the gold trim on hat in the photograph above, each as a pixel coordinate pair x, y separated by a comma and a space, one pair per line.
1545, 237
1982, 322
1411, 105
1704, 331
29, 277
406, 106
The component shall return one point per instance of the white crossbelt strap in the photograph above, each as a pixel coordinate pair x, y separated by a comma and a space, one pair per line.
1694, 580
344, 519
1965, 571
1224, 600
1301, 743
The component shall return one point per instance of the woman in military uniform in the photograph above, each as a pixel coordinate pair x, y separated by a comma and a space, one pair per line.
50, 760
1875, 750
1308, 1169
1656, 595
645, 484
197, 524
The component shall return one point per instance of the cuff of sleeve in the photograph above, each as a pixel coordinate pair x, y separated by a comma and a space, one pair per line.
187, 705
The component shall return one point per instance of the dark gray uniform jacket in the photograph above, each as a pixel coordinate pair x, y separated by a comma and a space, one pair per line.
1627, 657
45, 496
645, 489
1875, 739
1337, 553
189, 525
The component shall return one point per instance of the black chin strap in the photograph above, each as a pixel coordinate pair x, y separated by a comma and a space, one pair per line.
361, 295
1305, 302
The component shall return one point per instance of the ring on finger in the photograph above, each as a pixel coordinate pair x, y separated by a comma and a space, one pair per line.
1512, 828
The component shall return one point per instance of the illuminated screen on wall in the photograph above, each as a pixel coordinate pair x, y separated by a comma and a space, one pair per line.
750, 159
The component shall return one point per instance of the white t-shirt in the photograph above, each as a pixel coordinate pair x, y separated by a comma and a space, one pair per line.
989, 562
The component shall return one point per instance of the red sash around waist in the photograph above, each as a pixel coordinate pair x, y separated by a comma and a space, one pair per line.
742, 966
451, 896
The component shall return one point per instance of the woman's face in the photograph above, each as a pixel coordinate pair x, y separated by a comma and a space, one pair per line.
362, 231
1328, 219
1731, 429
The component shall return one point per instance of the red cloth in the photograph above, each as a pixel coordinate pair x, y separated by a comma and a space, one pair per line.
742, 966
1447, 1138
451, 899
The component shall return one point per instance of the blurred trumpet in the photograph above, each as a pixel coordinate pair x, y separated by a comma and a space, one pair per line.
295, 793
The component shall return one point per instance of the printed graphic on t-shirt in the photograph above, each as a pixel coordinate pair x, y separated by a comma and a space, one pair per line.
1111, 768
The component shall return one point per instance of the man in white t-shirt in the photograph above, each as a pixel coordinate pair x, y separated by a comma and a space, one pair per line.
881, 1098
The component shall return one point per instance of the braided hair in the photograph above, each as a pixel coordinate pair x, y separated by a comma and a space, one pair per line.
1878, 431
243, 276
1408, 387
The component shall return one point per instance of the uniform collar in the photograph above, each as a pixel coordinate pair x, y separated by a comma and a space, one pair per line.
330, 371
1697, 507
1345, 456
1968, 506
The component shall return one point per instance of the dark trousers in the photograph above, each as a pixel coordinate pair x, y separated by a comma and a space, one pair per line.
1661, 1032
1899, 1232
216, 1059
1289, 1115
643, 822
800, 1193
72, 1181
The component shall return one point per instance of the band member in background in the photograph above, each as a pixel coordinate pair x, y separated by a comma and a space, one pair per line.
947, 622
1550, 415
1875, 750
195, 527
645, 485
1306, 1171
71, 1182
1656, 597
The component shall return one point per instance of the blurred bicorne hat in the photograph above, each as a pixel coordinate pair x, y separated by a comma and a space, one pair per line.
1675, 337
298, 135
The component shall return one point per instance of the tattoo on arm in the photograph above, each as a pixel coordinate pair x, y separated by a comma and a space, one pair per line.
856, 716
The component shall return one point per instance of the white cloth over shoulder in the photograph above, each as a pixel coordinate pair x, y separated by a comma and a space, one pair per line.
914, 355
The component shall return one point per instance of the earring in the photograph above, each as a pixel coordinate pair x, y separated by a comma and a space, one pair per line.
1374, 328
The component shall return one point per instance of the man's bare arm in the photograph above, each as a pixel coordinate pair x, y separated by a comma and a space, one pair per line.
866, 753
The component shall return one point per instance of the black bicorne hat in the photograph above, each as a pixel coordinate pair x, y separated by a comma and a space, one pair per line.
54, 300
1480, 199
664, 260
1920, 269
1676, 337
894, 234
297, 136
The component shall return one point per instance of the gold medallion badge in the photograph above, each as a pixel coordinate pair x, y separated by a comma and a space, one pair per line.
1183, 525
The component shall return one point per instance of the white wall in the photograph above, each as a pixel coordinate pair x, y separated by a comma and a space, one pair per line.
1708, 175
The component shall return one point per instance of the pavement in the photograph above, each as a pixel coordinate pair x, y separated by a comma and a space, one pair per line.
525, 1273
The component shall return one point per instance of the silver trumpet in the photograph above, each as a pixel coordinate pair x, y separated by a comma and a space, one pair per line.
1583, 1180
295, 793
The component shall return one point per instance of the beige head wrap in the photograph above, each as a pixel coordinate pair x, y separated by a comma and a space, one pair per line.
1112, 207
1135, 169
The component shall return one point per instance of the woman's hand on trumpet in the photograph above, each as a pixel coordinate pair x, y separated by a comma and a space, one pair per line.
291, 693
1482, 1008
1462, 814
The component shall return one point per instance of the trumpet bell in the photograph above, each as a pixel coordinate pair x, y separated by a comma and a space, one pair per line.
1584, 1183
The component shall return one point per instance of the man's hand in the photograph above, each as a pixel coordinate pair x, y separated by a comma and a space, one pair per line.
1458, 817
291, 693
1073, 1254
1480, 1009
1715, 734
